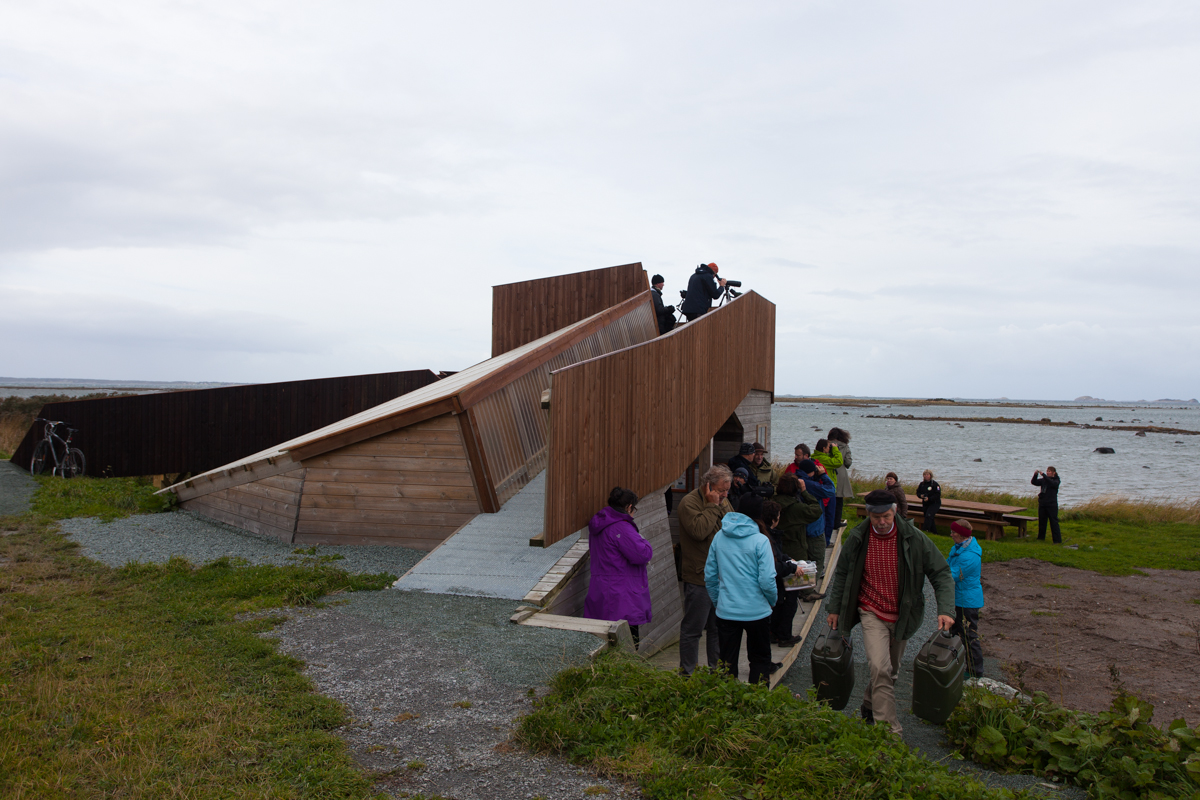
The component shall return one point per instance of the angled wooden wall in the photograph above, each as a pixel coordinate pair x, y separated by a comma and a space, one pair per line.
201, 429
529, 310
637, 417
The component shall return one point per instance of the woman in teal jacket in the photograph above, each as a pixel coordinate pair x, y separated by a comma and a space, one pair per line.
965, 560
740, 577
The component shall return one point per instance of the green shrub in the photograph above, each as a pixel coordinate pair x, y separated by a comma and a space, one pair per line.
1114, 754
711, 737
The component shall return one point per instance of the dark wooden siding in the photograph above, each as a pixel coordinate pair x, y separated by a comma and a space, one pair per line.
199, 430
529, 310
637, 417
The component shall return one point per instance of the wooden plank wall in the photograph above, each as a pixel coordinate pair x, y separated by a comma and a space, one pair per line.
195, 431
267, 506
529, 310
409, 487
511, 423
637, 417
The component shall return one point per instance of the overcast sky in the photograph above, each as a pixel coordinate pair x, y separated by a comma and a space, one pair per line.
943, 199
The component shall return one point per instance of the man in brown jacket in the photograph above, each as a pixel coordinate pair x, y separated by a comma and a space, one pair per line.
700, 514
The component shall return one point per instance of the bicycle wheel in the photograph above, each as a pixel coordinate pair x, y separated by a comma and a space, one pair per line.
41, 454
75, 464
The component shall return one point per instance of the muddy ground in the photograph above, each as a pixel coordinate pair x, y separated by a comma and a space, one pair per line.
1059, 630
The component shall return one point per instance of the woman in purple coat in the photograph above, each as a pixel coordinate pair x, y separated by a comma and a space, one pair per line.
619, 587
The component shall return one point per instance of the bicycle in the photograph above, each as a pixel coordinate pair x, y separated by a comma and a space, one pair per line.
68, 461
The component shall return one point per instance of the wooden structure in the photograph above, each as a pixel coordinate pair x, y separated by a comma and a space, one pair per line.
522, 312
638, 417
198, 430
413, 470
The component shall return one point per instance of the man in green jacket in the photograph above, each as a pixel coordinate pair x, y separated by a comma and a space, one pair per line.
879, 578
700, 514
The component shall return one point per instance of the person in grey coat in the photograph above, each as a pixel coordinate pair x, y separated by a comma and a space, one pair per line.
845, 490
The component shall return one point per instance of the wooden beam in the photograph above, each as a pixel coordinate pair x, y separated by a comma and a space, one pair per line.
485, 490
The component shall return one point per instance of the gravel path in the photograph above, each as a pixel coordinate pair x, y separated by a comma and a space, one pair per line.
16, 489
389, 654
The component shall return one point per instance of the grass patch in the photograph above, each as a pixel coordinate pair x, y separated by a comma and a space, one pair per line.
147, 681
106, 498
1114, 754
1044, 613
1109, 536
711, 737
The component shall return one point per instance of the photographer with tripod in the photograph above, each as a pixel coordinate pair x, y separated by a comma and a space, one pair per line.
703, 287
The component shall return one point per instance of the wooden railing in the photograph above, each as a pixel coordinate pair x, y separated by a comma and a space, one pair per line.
638, 417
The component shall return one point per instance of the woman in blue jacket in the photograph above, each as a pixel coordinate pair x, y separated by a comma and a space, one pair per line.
740, 577
965, 560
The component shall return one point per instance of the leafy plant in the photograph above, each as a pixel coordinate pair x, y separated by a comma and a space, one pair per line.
1114, 754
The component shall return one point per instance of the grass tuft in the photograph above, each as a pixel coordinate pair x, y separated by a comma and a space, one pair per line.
711, 737
106, 498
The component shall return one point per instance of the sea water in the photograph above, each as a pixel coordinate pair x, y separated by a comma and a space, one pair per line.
1002, 456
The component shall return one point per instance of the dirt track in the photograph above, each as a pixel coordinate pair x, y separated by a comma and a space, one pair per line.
1059, 629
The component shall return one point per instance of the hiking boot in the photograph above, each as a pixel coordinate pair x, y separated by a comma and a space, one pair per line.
867, 714
788, 641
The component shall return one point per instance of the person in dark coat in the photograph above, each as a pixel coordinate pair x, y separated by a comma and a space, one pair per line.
665, 316
703, 287
742, 460
1047, 483
893, 485
619, 587
930, 492
739, 488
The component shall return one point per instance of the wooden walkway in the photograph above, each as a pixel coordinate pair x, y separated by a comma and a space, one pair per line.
808, 616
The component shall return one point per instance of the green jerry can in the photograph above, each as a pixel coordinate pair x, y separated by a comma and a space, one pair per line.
938, 677
833, 668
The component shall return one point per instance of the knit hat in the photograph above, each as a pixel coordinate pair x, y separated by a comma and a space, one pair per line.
880, 501
807, 466
746, 449
657, 279
743, 472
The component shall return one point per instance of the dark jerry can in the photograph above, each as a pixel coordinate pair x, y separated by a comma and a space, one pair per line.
938, 677
833, 668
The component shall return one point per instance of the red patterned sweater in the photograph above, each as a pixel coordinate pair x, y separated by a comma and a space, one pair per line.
879, 591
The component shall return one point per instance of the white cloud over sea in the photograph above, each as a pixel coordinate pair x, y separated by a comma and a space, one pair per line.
943, 199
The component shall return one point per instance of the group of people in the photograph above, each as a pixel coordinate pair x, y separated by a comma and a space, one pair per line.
703, 288
742, 536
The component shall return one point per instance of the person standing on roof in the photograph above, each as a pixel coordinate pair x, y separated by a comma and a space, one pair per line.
703, 287
666, 319
619, 587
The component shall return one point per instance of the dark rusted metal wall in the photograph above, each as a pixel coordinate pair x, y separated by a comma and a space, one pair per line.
198, 430
529, 310
637, 417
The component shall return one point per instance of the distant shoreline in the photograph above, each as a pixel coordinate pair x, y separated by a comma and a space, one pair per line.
878, 402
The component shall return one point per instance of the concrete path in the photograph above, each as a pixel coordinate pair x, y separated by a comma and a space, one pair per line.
490, 556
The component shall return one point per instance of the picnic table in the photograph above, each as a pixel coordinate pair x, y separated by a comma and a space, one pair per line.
992, 518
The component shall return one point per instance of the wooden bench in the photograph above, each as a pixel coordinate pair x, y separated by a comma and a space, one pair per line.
1020, 521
